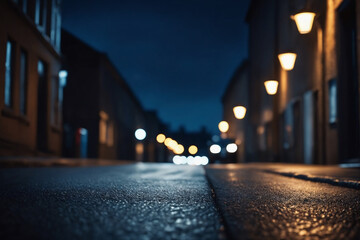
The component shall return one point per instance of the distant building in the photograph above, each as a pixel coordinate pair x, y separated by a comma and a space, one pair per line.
154, 152
237, 94
101, 113
315, 115
198, 138
30, 86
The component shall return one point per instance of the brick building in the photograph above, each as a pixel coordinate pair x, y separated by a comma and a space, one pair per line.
30, 85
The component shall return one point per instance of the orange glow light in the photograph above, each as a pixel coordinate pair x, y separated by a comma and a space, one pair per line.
271, 86
167, 141
160, 138
223, 126
179, 149
287, 60
239, 112
304, 21
193, 149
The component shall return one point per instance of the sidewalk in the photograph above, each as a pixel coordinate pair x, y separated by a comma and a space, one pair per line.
287, 201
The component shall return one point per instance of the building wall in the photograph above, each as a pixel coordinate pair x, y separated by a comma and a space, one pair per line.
262, 67
126, 112
155, 152
316, 110
18, 132
237, 94
81, 95
99, 100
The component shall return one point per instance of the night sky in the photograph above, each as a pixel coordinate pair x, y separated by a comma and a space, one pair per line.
176, 55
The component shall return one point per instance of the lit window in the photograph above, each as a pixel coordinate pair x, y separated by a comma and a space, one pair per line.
23, 81
106, 128
103, 127
9, 73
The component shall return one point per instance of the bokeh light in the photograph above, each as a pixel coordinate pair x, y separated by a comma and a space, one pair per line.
160, 138
140, 134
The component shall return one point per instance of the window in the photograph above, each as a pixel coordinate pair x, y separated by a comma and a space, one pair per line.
23, 81
9, 73
288, 127
106, 128
40, 13
103, 127
332, 102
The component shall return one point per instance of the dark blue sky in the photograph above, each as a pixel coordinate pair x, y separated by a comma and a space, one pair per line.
176, 55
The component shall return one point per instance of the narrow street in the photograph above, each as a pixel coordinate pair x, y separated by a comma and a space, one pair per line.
166, 201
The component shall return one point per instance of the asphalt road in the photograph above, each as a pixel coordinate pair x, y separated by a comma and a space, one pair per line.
258, 203
141, 201
165, 201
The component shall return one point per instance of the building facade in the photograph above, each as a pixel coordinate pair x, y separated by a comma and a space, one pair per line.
101, 113
30, 85
314, 116
236, 94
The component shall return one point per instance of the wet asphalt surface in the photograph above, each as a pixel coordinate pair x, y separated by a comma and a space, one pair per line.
142, 201
165, 201
262, 205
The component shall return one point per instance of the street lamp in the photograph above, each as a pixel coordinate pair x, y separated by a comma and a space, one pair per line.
140, 134
239, 112
160, 138
179, 149
304, 21
223, 126
193, 149
287, 60
271, 86
172, 144
167, 141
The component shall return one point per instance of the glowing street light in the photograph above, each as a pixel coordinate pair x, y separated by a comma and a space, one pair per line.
271, 86
304, 21
287, 60
231, 148
215, 149
140, 134
223, 126
239, 112
179, 149
172, 144
193, 149
167, 141
160, 138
